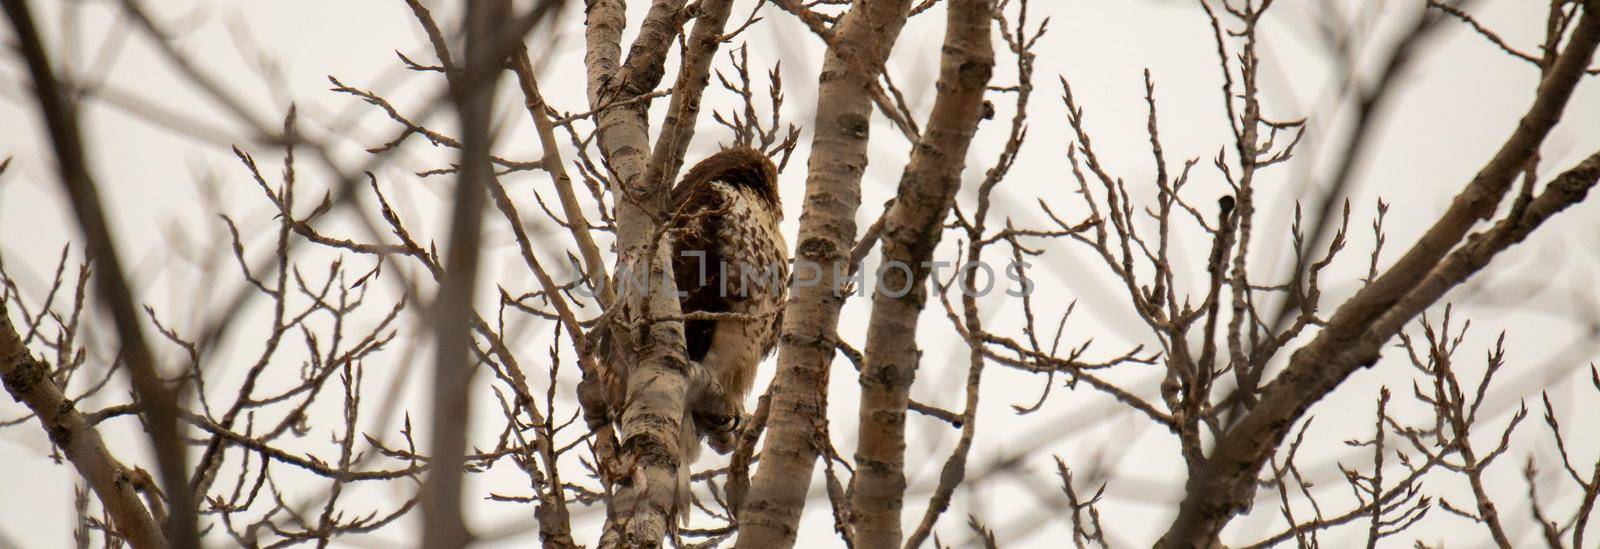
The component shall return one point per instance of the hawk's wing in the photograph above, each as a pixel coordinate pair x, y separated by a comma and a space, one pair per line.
697, 259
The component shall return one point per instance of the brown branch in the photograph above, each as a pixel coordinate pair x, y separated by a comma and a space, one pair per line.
61, 117
556, 167
970, 324
442, 524
552, 514
1370, 106
1487, 34
28, 381
412, 127
683, 111
1355, 334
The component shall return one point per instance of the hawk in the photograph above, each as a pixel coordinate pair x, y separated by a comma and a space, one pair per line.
729, 256
729, 260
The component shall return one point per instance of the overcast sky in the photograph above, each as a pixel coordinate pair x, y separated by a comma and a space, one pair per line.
161, 150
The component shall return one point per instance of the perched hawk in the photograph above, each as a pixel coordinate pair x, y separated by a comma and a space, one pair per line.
728, 257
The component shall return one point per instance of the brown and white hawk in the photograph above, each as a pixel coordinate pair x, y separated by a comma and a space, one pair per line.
729, 257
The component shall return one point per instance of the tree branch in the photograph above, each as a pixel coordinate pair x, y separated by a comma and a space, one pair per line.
452, 310
911, 230
1354, 336
859, 45
159, 403
28, 380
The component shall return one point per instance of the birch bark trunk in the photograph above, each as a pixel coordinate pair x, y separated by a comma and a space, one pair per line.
911, 231
858, 46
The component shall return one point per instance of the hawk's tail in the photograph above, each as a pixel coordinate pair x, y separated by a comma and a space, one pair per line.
689, 450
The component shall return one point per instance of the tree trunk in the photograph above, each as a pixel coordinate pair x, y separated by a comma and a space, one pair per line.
912, 230
858, 47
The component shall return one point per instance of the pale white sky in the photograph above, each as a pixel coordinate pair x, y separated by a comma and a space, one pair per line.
1461, 98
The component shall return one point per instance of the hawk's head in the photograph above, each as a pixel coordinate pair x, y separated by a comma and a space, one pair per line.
742, 167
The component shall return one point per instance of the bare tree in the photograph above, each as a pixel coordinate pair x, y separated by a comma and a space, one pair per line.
272, 400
